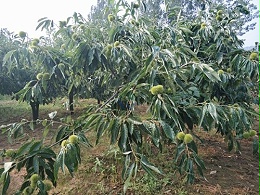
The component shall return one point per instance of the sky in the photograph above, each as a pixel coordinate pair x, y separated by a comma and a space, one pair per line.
22, 15
252, 36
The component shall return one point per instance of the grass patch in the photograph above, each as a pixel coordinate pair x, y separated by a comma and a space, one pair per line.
5, 97
11, 110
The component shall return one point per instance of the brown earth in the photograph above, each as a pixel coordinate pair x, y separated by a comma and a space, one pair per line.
227, 173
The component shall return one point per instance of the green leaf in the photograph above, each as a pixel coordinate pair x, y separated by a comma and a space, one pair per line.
185, 30
60, 161
149, 60
35, 146
1, 172
45, 132
6, 182
166, 110
46, 153
129, 177
204, 110
101, 129
180, 150
167, 130
25, 184
127, 50
133, 121
137, 137
148, 170
157, 108
36, 164
147, 164
192, 145
209, 72
44, 86
190, 171
148, 127
41, 187
219, 57
131, 128
91, 120
24, 149
212, 111
114, 129
198, 161
123, 138
8, 56
56, 170
126, 165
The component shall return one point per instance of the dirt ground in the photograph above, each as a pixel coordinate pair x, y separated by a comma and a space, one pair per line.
227, 173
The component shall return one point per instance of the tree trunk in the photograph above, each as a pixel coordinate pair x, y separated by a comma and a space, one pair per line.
35, 110
71, 94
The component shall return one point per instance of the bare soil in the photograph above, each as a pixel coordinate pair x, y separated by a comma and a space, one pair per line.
228, 172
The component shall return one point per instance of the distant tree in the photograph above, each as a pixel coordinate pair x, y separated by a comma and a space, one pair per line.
11, 79
32, 57
95, 15
242, 11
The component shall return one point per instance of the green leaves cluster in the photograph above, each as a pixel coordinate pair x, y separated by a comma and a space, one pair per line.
36, 159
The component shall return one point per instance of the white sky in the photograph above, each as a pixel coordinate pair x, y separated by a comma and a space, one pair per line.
22, 15
17, 15
252, 36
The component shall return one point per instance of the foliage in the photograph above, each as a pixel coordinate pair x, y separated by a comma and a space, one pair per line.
243, 11
11, 81
35, 55
187, 72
